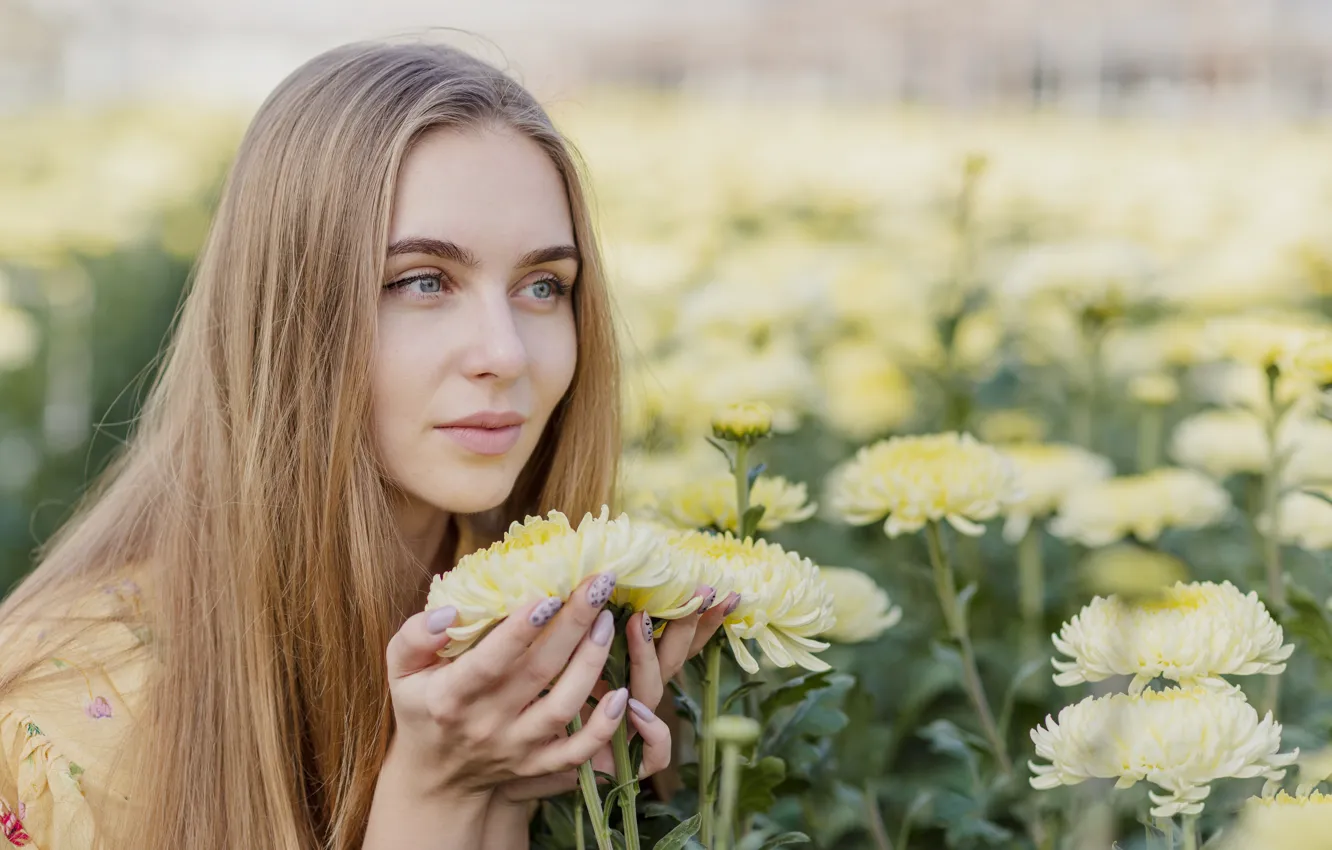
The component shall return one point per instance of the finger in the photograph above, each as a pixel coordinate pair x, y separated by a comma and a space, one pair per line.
416, 645
656, 738
674, 643
480, 668
549, 715
644, 671
711, 621
550, 652
566, 753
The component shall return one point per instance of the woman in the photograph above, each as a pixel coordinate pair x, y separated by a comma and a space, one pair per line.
397, 340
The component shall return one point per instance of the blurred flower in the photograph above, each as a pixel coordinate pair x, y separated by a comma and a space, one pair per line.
1191, 634
736, 729
544, 557
742, 423
711, 502
1305, 520
1154, 389
1259, 341
1103, 277
1141, 505
1045, 474
919, 479
862, 609
1314, 360
1012, 426
18, 338
1130, 572
976, 344
1283, 822
1221, 443
1179, 739
784, 603
865, 392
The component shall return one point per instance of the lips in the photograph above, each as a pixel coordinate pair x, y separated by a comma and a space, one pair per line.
484, 441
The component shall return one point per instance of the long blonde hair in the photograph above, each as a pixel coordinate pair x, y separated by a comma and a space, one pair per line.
250, 491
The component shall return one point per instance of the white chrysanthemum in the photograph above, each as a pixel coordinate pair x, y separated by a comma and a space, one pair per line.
1283, 822
710, 502
1190, 633
1261, 341
1221, 443
1102, 276
1179, 739
862, 609
1046, 473
919, 479
866, 393
784, 602
675, 597
1141, 505
1304, 520
544, 557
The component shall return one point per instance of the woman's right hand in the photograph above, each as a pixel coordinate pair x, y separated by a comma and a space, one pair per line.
467, 724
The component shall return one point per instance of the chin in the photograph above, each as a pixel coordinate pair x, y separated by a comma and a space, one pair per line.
477, 494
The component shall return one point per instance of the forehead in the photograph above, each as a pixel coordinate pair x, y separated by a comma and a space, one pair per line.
489, 190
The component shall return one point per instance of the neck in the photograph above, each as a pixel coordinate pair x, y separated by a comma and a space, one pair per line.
425, 529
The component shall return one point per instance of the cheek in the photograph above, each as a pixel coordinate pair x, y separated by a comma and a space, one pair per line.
554, 356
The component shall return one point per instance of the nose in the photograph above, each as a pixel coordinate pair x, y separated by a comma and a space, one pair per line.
495, 348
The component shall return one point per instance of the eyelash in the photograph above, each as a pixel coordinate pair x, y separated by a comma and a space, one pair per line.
560, 286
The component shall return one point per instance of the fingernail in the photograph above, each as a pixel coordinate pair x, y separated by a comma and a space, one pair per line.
603, 628
600, 589
709, 596
647, 627
733, 604
641, 710
548, 608
615, 703
440, 619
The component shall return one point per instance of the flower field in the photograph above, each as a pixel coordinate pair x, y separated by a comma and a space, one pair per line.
1048, 488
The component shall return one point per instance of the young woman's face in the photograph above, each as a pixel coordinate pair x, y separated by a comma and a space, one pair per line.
476, 328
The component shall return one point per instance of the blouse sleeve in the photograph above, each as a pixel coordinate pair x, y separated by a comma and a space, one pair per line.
61, 731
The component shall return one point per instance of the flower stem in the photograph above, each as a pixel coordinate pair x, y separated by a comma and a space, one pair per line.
1151, 422
587, 782
1276, 580
707, 759
1031, 587
627, 777
741, 488
1190, 830
730, 789
580, 839
957, 629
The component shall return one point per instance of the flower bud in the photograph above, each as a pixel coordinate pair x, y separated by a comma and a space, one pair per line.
735, 729
746, 422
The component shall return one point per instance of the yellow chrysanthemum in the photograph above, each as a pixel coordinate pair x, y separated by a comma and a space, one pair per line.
865, 392
862, 609
1131, 572
1154, 389
1313, 361
1283, 822
1045, 474
1140, 505
743, 423
784, 602
674, 597
1012, 426
1260, 341
1179, 739
920, 479
710, 502
543, 557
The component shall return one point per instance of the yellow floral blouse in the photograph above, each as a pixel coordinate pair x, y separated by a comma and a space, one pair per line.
61, 727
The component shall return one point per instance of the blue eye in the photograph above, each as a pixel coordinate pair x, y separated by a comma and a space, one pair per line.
549, 288
426, 280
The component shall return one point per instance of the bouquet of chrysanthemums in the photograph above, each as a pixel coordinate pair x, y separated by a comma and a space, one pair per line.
780, 607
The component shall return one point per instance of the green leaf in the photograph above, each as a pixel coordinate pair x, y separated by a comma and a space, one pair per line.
785, 839
686, 705
793, 691
754, 472
721, 447
677, 838
945, 737
739, 692
752, 517
757, 783
1025, 672
1308, 620
964, 599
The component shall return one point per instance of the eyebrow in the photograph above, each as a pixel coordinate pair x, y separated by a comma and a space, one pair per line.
460, 255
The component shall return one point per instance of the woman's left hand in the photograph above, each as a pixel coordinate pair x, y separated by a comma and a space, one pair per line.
652, 663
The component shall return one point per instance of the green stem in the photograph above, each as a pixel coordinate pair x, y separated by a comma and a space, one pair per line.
1031, 587
1190, 829
1276, 580
627, 777
730, 789
741, 489
587, 783
1150, 427
580, 839
957, 629
707, 759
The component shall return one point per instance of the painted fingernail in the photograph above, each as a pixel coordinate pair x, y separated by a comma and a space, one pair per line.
440, 619
615, 703
641, 710
548, 608
709, 596
603, 629
600, 589
647, 627
733, 604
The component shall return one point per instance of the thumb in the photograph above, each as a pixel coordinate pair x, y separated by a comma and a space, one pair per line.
417, 644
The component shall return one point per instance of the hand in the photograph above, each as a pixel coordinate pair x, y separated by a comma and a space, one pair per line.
469, 724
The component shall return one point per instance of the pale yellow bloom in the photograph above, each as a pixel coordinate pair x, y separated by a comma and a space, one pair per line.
1179, 739
1045, 474
1105, 277
1260, 341
784, 603
1190, 633
1154, 389
865, 393
919, 479
1314, 360
1140, 505
1304, 520
744, 422
862, 609
1012, 426
1221, 443
543, 557
1283, 822
711, 503
1131, 572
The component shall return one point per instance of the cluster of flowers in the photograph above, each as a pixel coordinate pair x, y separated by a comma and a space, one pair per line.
1180, 738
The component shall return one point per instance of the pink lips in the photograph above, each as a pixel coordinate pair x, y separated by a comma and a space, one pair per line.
486, 433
